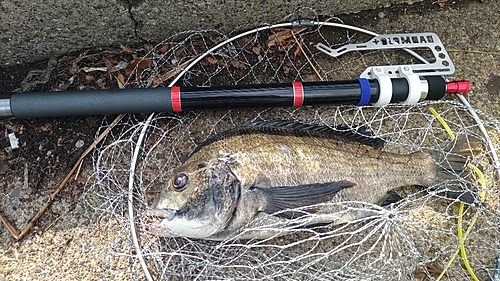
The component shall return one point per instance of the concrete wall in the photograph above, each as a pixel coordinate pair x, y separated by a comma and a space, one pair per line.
32, 30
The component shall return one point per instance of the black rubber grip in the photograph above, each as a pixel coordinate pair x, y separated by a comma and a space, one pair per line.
437, 87
101, 102
400, 90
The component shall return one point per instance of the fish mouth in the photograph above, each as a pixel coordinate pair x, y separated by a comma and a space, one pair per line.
166, 213
159, 219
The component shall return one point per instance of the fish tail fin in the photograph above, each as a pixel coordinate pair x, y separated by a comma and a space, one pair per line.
452, 168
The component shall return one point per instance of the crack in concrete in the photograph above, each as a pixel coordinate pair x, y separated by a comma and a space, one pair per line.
130, 4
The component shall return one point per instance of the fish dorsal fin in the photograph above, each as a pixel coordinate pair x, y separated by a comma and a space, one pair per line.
359, 134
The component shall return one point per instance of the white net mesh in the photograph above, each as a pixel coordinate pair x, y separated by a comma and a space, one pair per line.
413, 239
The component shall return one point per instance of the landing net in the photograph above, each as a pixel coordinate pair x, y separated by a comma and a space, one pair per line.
415, 239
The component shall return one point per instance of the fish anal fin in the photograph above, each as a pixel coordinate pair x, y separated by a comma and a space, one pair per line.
392, 197
279, 199
452, 165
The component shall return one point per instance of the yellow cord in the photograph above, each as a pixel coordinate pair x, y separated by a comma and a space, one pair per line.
461, 236
461, 239
443, 123
460, 213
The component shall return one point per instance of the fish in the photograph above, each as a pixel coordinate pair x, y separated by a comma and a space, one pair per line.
274, 169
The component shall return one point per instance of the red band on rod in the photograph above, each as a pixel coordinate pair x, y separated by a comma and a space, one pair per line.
298, 94
175, 93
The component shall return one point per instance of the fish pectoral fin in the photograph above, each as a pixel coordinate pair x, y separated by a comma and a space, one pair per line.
278, 199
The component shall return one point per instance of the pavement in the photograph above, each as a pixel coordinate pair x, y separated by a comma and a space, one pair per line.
76, 248
36, 30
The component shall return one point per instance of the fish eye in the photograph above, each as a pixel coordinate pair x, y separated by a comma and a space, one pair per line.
180, 182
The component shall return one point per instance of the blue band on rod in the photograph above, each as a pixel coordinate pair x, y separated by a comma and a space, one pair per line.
365, 91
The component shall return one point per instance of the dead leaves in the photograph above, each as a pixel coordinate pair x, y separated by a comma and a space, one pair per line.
165, 48
429, 271
210, 60
298, 49
123, 67
159, 78
284, 39
138, 64
222, 63
279, 41
257, 50
126, 49
147, 66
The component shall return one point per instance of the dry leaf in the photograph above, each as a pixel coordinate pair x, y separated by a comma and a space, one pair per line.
66, 58
257, 49
4, 168
298, 49
441, 3
210, 60
44, 127
157, 79
101, 84
165, 48
126, 49
281, 38
108, 63
138, 62
429, 271
89, 78
238, 64
244, 41
120, 79
74, 69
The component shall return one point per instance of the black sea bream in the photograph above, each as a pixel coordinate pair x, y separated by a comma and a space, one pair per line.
265, 168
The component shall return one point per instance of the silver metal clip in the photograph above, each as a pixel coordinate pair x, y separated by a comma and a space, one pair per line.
441, 65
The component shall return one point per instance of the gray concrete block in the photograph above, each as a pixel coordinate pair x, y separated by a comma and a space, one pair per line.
159, 19
33, 30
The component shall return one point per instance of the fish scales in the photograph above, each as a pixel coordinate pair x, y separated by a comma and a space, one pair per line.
280, 160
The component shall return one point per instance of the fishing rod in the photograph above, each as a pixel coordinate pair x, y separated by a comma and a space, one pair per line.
377, 85
379, 91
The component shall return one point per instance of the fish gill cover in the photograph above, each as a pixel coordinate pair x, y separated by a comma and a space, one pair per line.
412, 239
